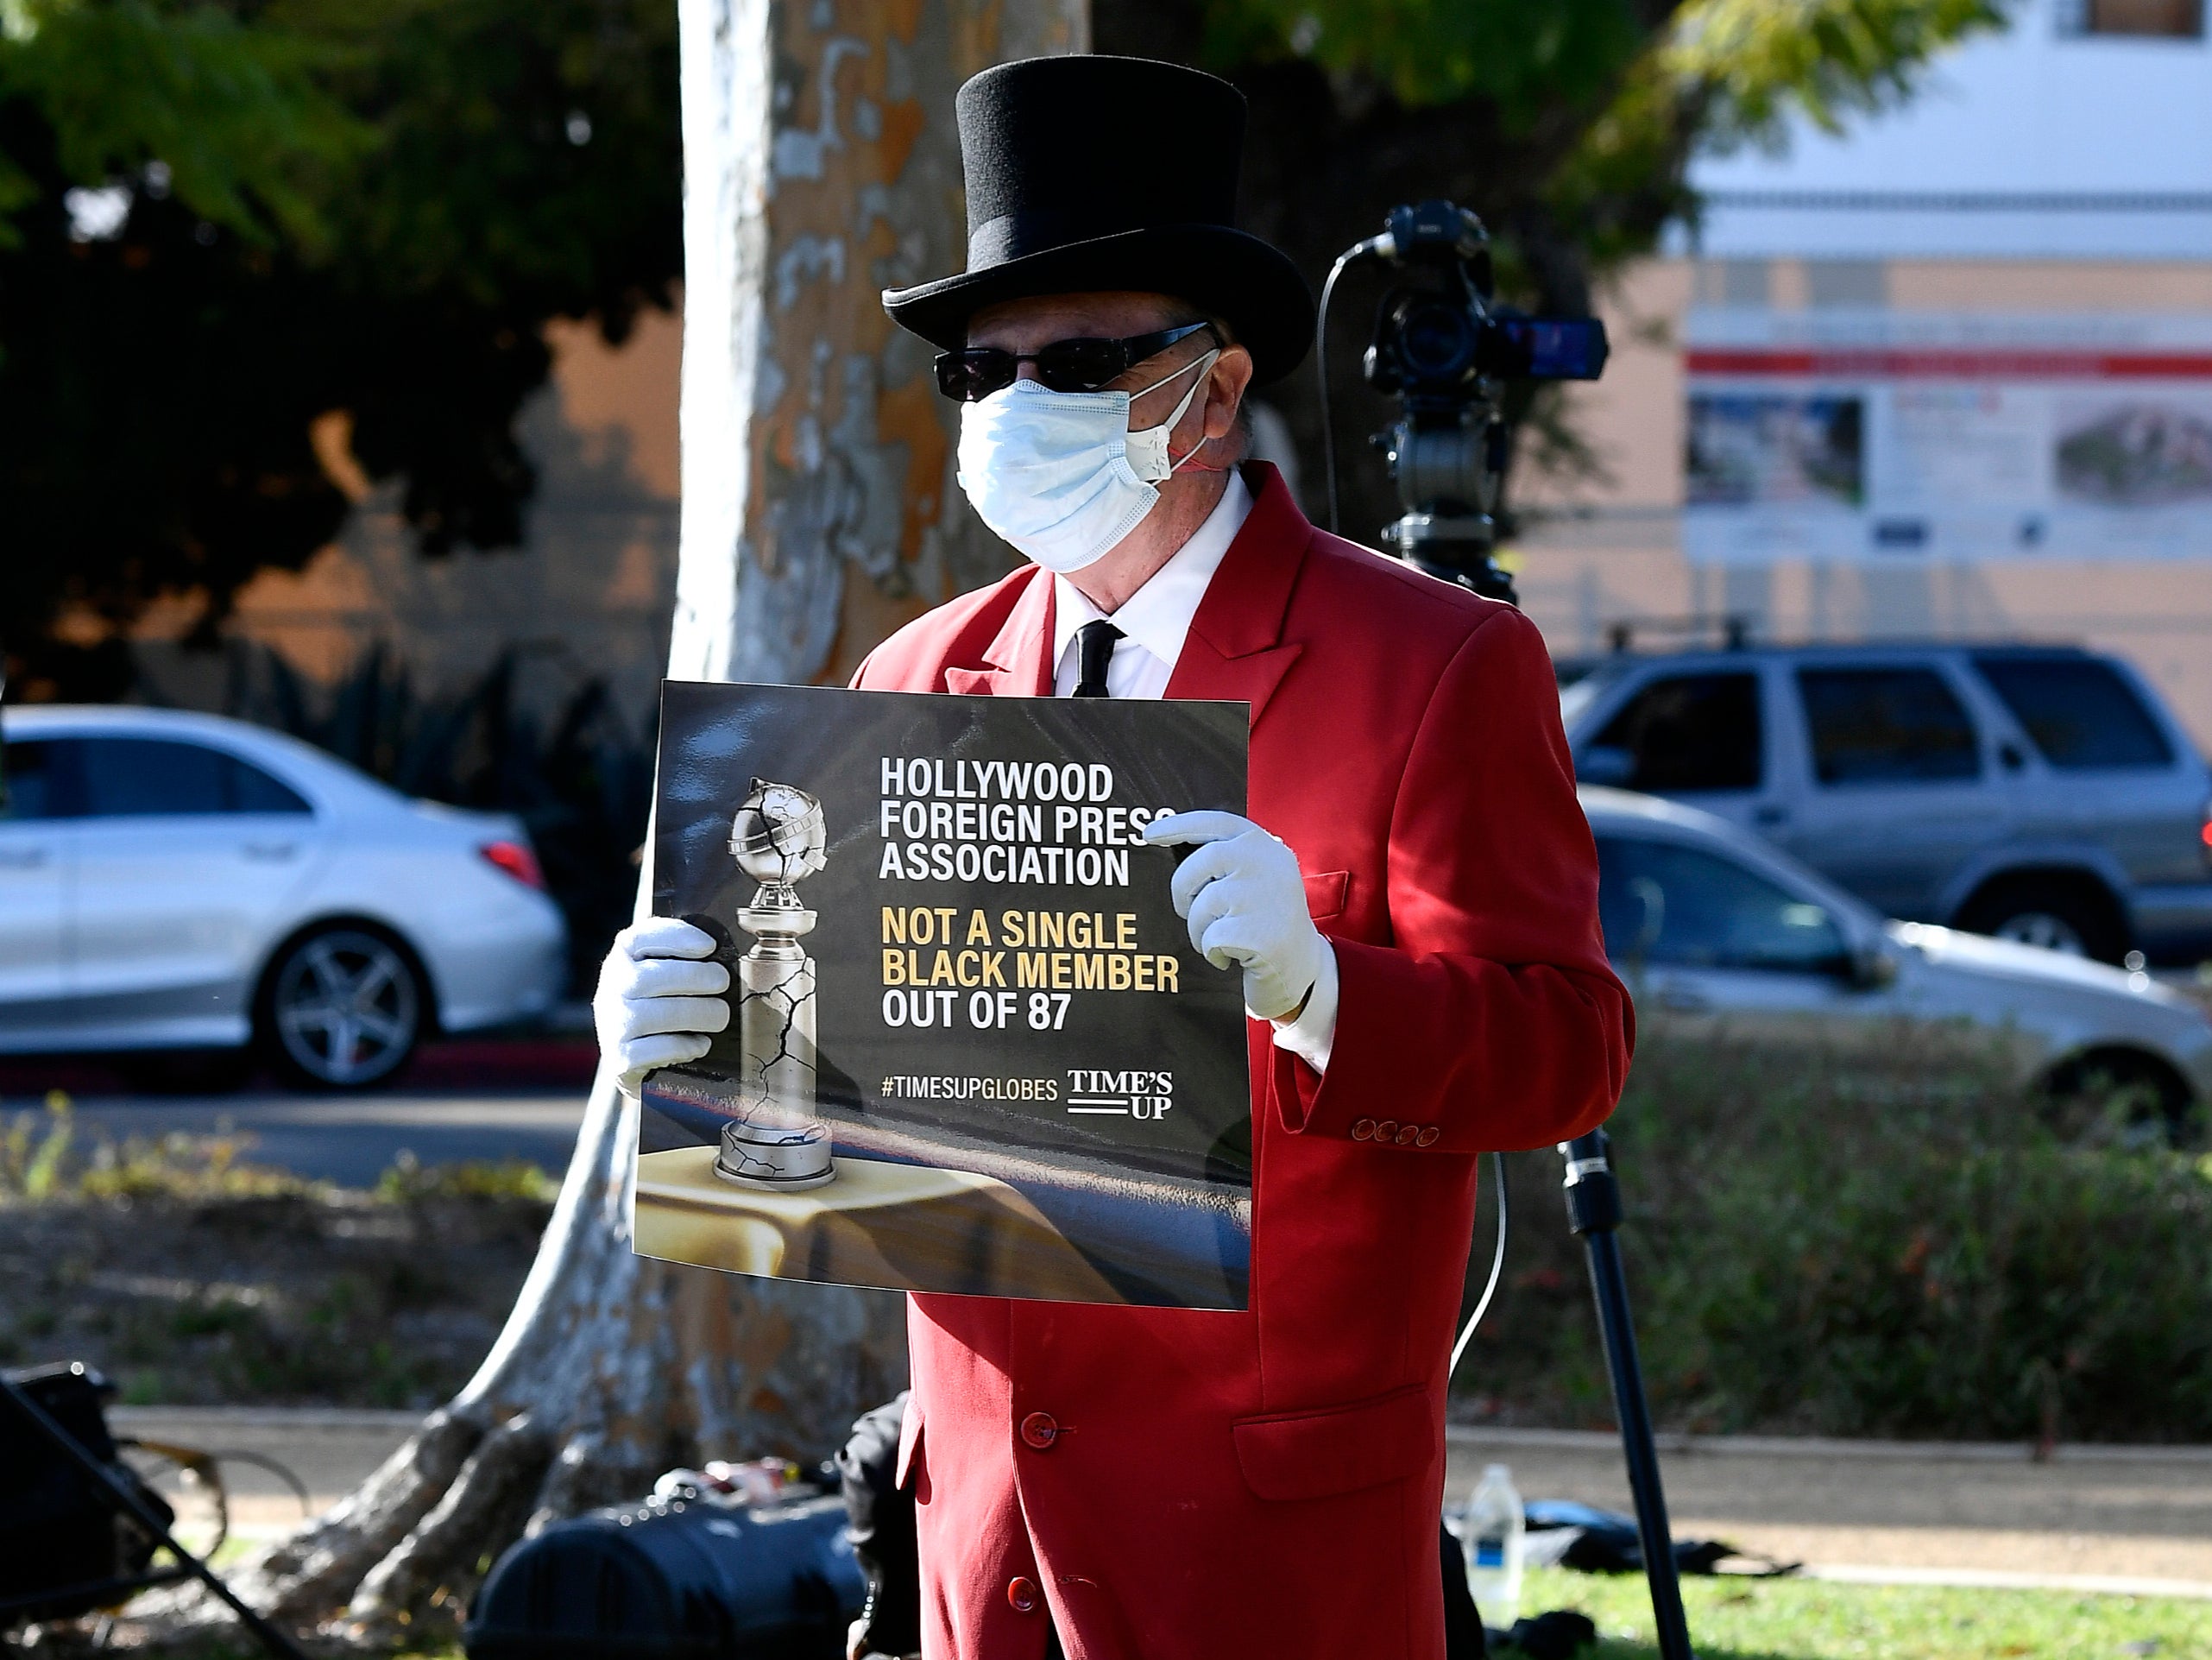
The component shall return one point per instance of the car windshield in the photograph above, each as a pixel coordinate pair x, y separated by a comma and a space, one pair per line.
1685, 733
1660, 902
1584, 684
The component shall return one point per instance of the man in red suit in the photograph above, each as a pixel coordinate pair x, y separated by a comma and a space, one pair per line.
1412, 903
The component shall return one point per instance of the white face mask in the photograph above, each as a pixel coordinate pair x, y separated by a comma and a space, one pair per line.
1059, 474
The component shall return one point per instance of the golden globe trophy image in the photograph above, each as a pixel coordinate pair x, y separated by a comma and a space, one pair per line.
777, 1142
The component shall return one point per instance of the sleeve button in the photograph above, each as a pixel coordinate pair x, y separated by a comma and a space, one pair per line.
1364, 1130
1408, 1134
1386, 1130
1429, 1136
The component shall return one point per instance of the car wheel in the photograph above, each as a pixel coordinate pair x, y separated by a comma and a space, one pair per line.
2074, 917
342, 1007
2156, 1103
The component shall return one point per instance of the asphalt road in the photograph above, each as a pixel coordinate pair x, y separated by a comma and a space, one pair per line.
353, 1140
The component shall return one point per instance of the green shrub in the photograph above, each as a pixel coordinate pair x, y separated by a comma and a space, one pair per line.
1899, 1241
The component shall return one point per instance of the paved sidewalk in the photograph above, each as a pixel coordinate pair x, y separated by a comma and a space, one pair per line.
1962, 1514
2134, 1520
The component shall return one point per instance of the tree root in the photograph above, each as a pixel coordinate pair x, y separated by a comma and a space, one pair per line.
447, 1544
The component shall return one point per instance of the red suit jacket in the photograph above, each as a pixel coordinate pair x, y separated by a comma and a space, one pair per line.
1167, 1483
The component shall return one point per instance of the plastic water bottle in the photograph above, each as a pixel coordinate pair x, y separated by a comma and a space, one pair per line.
1491, 1529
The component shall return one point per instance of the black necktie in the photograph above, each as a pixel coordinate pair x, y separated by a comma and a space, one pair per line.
1094, 651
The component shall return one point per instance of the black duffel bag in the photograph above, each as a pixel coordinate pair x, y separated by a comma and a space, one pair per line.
682, 1576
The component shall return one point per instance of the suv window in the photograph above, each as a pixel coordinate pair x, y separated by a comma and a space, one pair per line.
1887, 726
1661, 902
137, 778
26, 783
2078, 711
1690, 732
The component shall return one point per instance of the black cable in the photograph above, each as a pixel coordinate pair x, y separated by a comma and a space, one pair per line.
1368, 249
282, 1471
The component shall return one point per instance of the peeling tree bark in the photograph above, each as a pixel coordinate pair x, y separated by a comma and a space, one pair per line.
819, 511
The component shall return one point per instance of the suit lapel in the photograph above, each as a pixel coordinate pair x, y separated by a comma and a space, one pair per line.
1235, 648
1019, 657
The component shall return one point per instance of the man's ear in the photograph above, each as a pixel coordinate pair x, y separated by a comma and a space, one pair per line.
1225, 385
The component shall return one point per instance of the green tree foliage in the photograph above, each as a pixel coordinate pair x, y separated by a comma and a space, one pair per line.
1567, 124
222, 222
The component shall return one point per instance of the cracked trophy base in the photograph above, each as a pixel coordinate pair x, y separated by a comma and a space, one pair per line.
776, 1160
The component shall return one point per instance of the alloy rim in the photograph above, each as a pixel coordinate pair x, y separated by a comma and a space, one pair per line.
345, 1007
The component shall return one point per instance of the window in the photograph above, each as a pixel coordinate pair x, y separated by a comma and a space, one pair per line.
2172, 20
1690, 732
1887, 726
254, 791
137, 778
2078, 712
1663, 903
26, 783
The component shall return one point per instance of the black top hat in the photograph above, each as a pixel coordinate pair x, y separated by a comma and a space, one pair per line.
1091, 174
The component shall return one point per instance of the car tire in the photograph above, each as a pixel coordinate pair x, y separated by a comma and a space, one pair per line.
2157, 1095
342, 1006
2072, 915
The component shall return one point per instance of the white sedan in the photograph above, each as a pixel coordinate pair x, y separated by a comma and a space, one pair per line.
172, 882
1714, 928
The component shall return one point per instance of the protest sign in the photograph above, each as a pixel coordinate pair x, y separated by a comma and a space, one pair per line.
970, 1047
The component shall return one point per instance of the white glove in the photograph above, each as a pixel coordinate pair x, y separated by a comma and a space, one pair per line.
657, 1001
1245, 902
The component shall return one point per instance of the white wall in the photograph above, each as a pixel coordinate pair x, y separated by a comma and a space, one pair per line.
2039, 142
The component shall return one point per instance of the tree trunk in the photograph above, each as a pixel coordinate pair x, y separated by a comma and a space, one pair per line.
822, 165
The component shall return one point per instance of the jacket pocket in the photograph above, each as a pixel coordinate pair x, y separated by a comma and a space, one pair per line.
1324, 892
1289, 1455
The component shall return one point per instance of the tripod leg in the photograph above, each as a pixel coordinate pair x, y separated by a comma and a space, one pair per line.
123, 1498
1593, 1199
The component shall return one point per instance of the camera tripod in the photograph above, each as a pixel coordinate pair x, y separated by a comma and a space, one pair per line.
1593, 1212
1443, 348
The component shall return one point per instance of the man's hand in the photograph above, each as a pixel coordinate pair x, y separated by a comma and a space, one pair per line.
1245, 902
658, 1001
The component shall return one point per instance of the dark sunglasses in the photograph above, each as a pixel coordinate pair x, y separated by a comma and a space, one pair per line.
971, 375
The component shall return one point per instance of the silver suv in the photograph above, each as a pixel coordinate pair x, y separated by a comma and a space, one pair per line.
2042, 794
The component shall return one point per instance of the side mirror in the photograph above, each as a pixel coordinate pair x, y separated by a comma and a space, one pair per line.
1603, 763
1874, 966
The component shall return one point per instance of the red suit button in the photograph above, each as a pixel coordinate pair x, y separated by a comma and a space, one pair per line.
1386, 1130
1362, 1129
1021, 1591
1040, 1431
1408, 1134
1429, 1137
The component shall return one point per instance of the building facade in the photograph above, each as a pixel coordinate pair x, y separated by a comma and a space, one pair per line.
1948, 373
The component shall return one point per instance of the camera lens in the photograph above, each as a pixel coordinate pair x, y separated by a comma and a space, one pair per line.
1436, 340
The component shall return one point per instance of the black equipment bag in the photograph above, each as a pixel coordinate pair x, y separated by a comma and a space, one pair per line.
677, 1576
65, 1548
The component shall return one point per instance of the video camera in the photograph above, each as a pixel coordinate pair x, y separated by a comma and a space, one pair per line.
1443, 349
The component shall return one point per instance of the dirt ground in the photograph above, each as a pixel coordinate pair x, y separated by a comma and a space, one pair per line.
295, 1296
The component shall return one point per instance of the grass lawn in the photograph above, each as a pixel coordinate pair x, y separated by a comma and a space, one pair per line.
1805, 1619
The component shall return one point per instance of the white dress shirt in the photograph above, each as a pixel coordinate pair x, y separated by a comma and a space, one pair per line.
1154, 622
